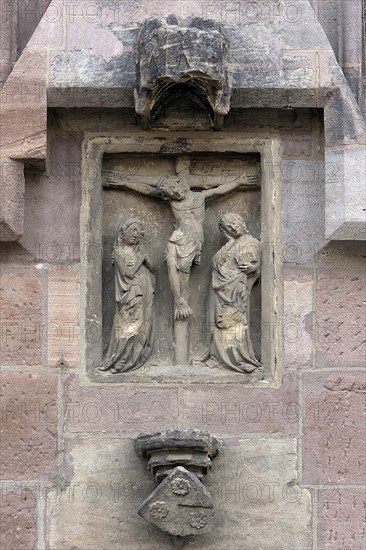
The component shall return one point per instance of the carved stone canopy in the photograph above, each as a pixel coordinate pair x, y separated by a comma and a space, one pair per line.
177, 59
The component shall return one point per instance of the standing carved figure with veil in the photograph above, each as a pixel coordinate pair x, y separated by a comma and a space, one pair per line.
132, 333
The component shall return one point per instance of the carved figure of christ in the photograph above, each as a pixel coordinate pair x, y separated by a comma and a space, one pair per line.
184, 247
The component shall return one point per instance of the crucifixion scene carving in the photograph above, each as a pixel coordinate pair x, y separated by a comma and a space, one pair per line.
167, 220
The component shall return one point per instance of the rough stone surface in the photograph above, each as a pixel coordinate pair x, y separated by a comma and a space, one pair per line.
303, 214
63, 316
119, 410
25, 15
18, 520
29, 422
298, 318
346, 169
334, 428
21, 316
8, 42
302, 27
51, 219
49, 29
258, 500
11, 199
341, 521
90, 33
105, 495
341, 314
240, 410
296, 144
23, 106
258, 497
348, 127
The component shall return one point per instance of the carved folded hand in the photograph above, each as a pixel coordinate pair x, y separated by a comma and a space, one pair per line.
248, 267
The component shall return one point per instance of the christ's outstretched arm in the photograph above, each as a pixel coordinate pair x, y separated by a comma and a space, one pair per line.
225, 187
119, 180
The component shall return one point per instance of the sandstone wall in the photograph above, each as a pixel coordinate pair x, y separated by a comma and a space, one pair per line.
291, 472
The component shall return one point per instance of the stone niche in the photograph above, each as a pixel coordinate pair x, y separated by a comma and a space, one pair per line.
117, 170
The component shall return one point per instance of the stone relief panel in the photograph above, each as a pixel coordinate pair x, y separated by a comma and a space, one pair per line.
181, 290
181, 270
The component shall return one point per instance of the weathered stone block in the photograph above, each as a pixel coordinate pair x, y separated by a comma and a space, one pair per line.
334, 428
119, 409
11, 199
21, 316
225, 411
29, 425
253, 483
8, 42
23, 108
254, 486
98, 508
50, 27
192, 54
350, 31
18, 520
345, 206
298, 318
343, 121
341, 522
341, 314
300, 72
51, 219
63, 334
302, 27
296, 144
30, 15
92, 34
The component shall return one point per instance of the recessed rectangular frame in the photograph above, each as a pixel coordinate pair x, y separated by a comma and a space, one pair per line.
91, 222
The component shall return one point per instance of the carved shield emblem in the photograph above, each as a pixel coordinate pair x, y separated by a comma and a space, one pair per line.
180, 505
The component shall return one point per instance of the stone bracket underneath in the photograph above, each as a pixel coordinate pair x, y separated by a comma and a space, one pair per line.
181, 504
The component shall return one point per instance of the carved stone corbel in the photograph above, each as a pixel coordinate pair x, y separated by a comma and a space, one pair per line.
181, 504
